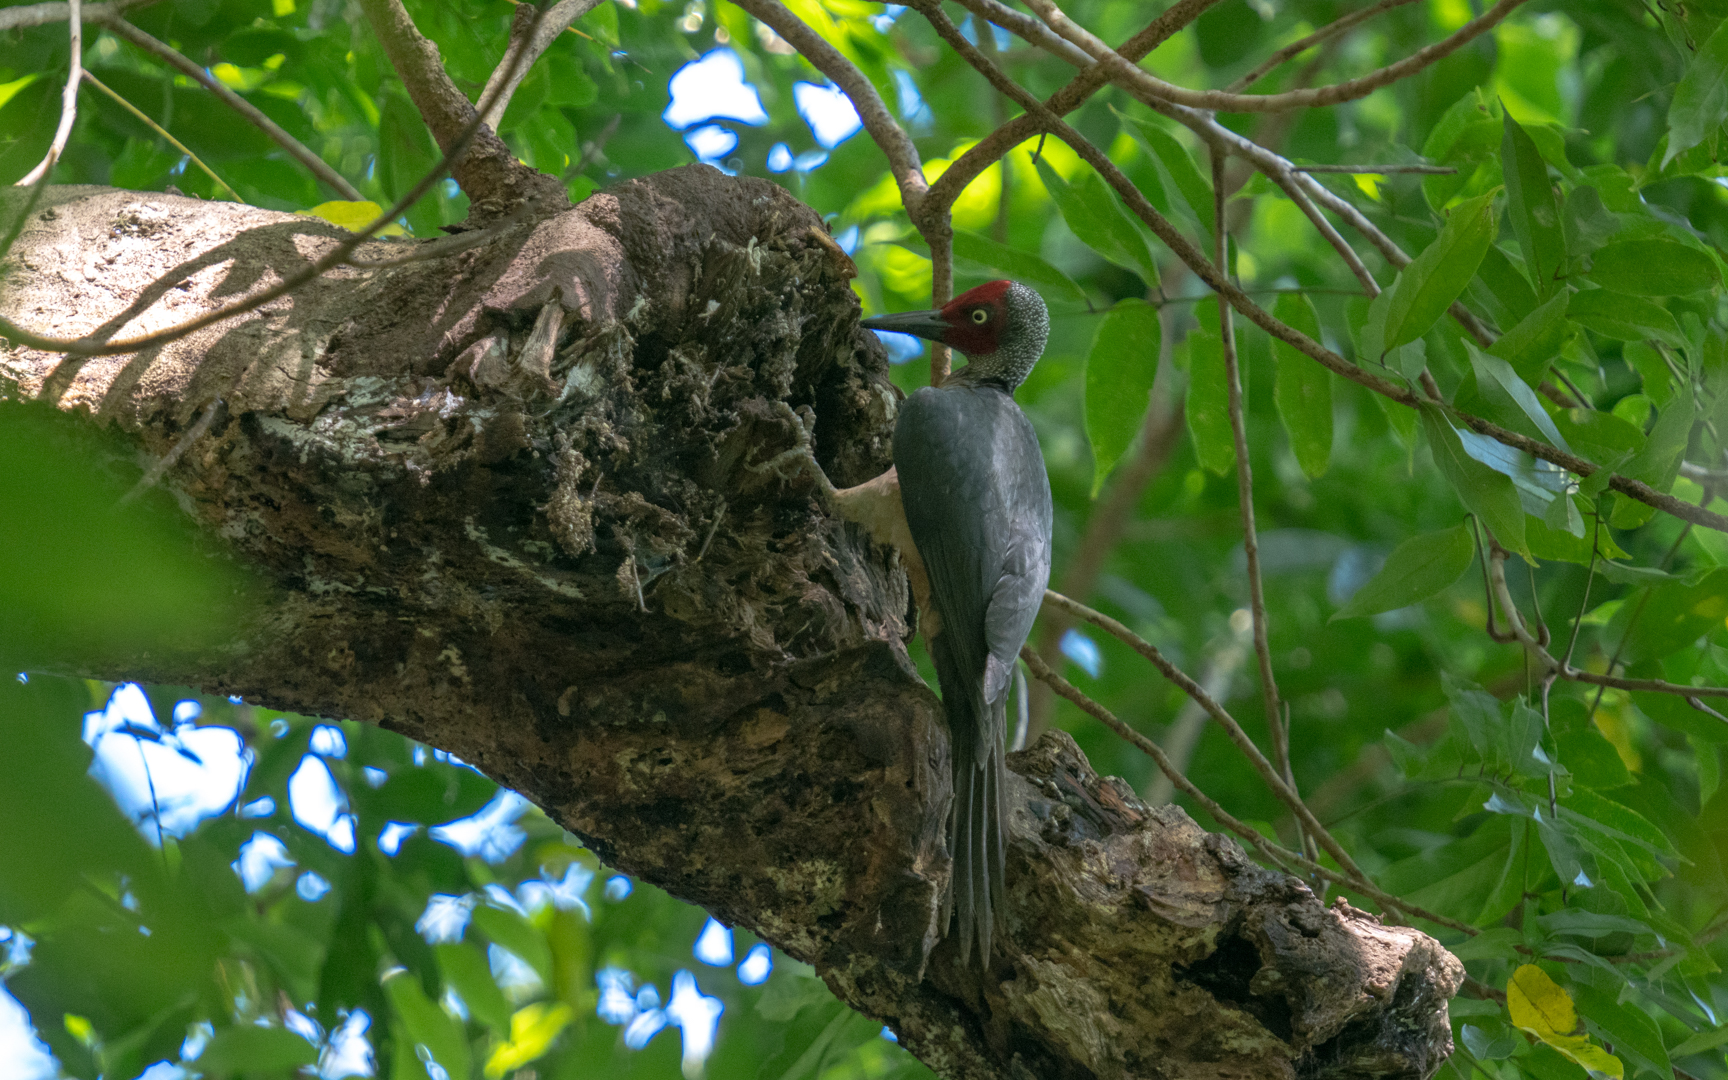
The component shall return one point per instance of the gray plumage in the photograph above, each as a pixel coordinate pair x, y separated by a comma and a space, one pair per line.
977, 501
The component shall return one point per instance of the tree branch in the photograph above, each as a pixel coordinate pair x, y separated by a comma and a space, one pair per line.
1245, 491
1321, 36
144, 118
1223, 101
902, 156
115, 24
531, 34
486, 169
68, 97
968, 166
28, 15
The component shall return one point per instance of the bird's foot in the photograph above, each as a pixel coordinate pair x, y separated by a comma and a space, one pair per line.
800, 460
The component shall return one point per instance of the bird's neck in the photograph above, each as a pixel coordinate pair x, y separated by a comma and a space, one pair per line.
980, 376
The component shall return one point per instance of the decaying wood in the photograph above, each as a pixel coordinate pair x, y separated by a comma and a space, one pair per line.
503, 501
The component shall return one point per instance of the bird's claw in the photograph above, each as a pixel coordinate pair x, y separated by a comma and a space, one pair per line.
800, 460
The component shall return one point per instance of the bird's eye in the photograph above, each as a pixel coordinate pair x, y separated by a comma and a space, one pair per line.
980, 316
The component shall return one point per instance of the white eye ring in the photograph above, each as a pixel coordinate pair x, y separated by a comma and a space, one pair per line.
980, 316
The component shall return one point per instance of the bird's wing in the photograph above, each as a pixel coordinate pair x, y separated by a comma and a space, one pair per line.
948, 489
1025, 568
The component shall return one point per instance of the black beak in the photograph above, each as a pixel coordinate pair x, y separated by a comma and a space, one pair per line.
924, 324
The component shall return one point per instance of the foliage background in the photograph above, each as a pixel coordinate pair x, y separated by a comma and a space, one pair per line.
121, 947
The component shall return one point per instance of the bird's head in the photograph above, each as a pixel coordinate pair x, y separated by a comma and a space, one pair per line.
1000, 327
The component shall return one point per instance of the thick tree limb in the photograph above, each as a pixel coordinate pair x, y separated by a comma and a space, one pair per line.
451, 515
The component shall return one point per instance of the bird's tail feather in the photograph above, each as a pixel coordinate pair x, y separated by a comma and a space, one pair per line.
976, 828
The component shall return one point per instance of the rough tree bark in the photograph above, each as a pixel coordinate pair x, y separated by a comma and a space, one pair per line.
510, 501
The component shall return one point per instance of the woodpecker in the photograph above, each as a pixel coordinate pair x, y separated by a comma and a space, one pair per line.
976, 501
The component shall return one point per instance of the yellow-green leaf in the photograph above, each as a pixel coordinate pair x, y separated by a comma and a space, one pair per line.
532, 1029
1542, 1007
353, 216
1435, 278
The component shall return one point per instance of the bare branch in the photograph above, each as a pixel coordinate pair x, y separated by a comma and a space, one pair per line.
1133, 77
1183, 734
494, 180
902, 155
555, 21
1538, 649
1380, 170
68, 97
1273, 853
994, 146
1324, 34
1245, 489
19, 18
118, 26
335, 256
144, 118
1203, 268
1239, 737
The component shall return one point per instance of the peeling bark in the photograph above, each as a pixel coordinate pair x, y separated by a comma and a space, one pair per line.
508, 501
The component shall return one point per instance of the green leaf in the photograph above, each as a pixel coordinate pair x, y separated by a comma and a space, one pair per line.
1535, 341
1486, 493
1491, 370
1094, 215
1427, 287
1633, 1034
1303, 390
1022, 266
1195, 188
466, 970
1208, 407
1591, 759
1676, 615
1501, 290
1659, 461
244, 1048
517, 934
1700, 102
1530, 203
1627, 318
1653, 267
1588, 224
1119, 373
1417, 569
428, 1024
1708, 1039
1599, 436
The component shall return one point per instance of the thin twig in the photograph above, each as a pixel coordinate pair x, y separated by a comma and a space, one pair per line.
1185, 250
1380, 170
1245, 492
531, 43
1134, 78
1324, 34
157, 471
68, 97
114, 24
1268, 774
144, 118
1273, 853
332, 258
993, 147
1533, 645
